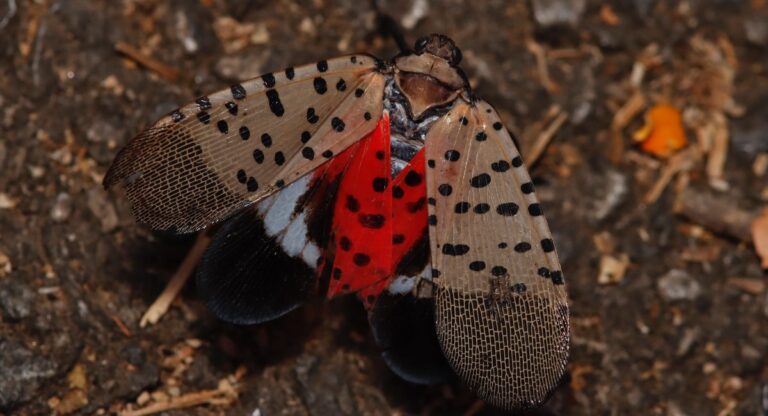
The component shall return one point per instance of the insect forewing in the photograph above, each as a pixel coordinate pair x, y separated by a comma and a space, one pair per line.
501, 306
206, 160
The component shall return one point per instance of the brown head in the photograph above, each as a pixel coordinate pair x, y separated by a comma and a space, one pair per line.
429, 76
439, 45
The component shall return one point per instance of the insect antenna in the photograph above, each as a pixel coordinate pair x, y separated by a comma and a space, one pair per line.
388, 26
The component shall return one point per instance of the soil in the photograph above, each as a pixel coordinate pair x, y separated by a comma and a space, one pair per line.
681, 330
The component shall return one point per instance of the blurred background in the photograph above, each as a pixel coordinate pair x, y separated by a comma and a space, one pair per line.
645, 123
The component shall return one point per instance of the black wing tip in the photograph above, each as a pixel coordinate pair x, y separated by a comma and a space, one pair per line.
246, 278
403, 327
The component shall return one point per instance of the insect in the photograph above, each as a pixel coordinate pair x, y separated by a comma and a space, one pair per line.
387, 179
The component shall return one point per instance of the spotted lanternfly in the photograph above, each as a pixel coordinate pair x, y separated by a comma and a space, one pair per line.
387, 179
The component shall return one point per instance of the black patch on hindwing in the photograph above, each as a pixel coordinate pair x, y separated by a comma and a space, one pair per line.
404, 328
246, 277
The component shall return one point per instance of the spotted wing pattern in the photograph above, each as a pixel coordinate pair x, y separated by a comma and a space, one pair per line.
206, 160
501, 306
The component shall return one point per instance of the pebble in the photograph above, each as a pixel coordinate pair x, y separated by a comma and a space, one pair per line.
678, 285
6, 202
102, 209
642, 7
3, 152
16, 301
749, 133
240, 66
102, 131
62, 207
22, 372
558, 12
756, 28
689, 338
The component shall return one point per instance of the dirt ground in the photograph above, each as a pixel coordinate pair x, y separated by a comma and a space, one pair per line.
668, 298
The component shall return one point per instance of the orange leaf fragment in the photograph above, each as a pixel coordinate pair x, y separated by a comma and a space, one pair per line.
760, 236
663, 134
608, 16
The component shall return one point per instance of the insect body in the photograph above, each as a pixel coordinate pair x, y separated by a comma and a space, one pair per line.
390, 180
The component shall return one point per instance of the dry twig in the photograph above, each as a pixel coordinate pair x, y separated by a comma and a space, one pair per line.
680, 162
163, 302
546, 135
715, 212
541, 66
165, 71
219, 397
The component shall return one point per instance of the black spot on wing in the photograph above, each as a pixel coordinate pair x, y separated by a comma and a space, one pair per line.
238, 92
275, 105
269, 80
321, 86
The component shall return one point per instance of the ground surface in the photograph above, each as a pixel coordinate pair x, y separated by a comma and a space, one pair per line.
682, 331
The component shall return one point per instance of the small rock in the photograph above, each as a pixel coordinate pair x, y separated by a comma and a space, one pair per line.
241, 66
605, 189
642, 7
612, 269
678, 285
72, 401
6, 202
673, 409
756, 28
3, 151
419, 10
185, 32
690, 336
5, 264
16, 301
102, 131
134, 355
102, 209
192, 27
62, 207
749, 133
558, 12
36, 172
22, 372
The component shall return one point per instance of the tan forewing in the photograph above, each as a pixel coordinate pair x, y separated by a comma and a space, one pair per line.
203, 162
501, 306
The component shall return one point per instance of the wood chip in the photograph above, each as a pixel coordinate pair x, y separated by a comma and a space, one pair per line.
621, 119
612, 269
608, 16
719, 151
715, 212
751, 285
760, 166
759, 232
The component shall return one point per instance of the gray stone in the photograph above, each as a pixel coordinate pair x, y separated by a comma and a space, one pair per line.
62, 207
16, 301
22, 372
558, 12
678, 285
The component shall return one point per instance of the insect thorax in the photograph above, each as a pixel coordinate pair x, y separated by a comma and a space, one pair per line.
407, 134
